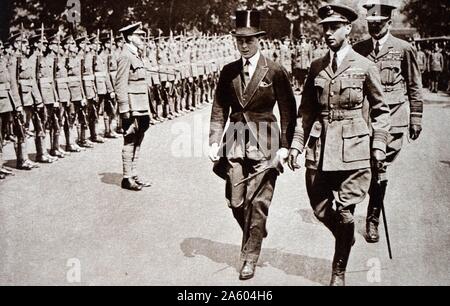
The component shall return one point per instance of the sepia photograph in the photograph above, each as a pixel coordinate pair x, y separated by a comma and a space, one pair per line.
224, 148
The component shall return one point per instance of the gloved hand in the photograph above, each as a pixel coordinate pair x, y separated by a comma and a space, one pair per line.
414, 131
112, 95
378, 158
281, 159
214, 152
83, 102
292, 159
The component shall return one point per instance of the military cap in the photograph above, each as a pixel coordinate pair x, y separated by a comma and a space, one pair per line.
105, 36
337, 13
248, 23
130, 29
81, 38
378, 12
37, 37
68, 39
15, 36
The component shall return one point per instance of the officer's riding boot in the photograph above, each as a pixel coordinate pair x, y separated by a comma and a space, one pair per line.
128, 181
344, 240
373, 212
41, 154
55, 149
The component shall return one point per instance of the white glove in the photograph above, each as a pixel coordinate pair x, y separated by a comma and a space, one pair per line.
112, 95
282, 155
214, 152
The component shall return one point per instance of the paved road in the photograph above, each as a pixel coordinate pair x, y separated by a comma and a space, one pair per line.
180, 232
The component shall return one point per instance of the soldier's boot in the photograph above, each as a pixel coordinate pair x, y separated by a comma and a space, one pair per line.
373, 212
41, 153
4, 171
71, 146
109, 132
23, 163
55, 148
94, 136
82, 141
345, 236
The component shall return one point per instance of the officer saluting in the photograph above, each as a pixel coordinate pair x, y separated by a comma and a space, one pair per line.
401, 80
133, 99
246, 94
334, 127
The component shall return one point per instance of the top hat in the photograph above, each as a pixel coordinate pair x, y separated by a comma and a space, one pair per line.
378, 12
248, 24
337, 13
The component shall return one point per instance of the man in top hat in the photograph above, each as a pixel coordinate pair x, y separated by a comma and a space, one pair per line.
133, 99
342, 104
402, 87
246, 94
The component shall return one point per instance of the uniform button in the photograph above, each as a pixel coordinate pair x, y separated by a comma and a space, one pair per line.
332, 82
331, 94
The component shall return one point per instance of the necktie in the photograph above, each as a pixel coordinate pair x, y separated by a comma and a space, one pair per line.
246, 73
334, 64
377, 48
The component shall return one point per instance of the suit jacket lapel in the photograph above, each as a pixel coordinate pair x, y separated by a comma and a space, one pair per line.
237, 82
260, 73
346, 63
326, 61
386, 47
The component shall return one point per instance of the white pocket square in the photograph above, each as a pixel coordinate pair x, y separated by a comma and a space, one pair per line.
264, 84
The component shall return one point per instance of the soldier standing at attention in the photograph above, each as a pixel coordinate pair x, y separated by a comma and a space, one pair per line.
302, 62
103, 82
333, 128
436, 66
133, 98
247, 92
9, 101
32, 98
402, 86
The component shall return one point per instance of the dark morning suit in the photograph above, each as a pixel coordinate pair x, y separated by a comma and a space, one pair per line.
246, 146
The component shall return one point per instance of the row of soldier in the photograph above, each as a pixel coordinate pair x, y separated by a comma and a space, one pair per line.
59, 83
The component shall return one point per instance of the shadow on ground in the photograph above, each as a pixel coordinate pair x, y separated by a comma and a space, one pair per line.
314, 269
111, 178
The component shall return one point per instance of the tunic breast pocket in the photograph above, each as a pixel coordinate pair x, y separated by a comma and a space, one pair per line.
351, 93
356, 141
389, 71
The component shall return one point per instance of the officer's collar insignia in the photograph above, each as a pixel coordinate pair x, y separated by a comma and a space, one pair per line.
330, 11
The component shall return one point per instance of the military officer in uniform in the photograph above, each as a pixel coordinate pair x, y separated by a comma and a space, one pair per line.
133, 99
333, 128
246, 94
402, 86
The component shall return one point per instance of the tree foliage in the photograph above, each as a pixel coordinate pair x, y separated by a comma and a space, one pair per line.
431, 18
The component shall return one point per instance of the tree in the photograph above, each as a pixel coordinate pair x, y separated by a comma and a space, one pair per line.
431, 18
